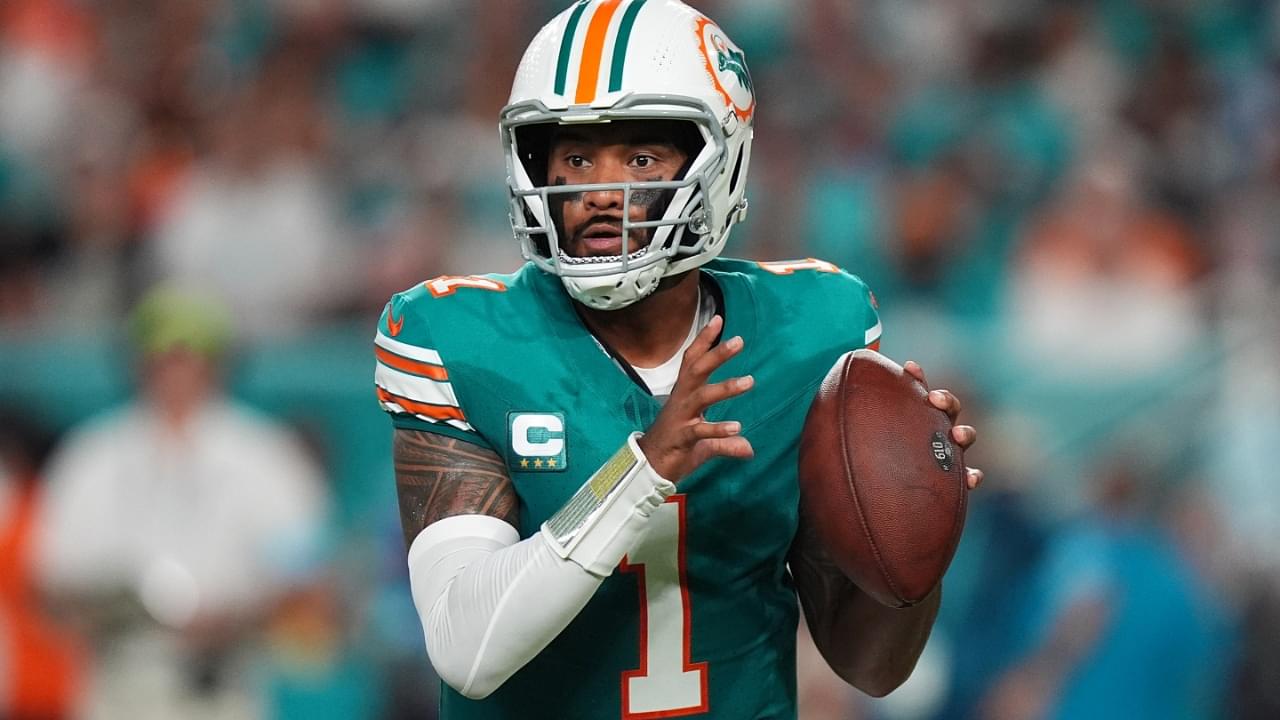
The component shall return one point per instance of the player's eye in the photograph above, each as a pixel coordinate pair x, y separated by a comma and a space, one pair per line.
576, 161
644, 161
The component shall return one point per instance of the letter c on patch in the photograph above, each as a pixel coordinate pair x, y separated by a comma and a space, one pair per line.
552, 425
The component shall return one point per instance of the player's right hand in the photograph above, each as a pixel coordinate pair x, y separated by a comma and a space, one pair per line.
681, 439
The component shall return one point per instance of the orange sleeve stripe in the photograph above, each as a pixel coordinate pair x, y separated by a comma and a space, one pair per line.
404, 364
435, 412
593, 51
874, 346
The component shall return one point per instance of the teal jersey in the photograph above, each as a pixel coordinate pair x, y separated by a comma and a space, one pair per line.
700, 619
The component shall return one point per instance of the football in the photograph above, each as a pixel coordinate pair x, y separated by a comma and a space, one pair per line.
881, 482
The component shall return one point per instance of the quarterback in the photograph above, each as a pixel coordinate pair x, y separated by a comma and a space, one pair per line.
596, 455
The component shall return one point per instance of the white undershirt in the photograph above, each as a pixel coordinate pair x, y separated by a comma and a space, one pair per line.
661, 379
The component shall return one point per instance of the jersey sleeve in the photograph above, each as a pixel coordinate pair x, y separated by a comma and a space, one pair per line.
411, 379
872, 328
821, 301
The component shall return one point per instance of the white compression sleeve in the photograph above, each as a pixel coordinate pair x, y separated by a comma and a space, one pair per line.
490, 602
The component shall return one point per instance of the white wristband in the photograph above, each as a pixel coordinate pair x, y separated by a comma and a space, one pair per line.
603, 520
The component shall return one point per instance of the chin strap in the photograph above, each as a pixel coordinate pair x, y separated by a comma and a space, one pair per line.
612, 293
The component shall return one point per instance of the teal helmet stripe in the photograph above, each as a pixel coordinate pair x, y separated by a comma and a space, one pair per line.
620, 46
566, 46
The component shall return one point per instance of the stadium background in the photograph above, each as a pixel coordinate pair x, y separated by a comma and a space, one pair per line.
1069, 211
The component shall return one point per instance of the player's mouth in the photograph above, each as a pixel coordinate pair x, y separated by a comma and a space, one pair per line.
603, 239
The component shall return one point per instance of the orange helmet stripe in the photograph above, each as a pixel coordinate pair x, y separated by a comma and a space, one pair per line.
593, 50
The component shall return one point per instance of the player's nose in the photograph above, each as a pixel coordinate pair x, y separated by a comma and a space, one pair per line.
606, 170
603, 199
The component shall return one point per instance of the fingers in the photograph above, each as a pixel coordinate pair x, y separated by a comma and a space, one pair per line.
914, 370
708, 395
700, 368
702, 343
964, 435
680, 439
945, 401
700, 361
731, 447
708, 430
734, 447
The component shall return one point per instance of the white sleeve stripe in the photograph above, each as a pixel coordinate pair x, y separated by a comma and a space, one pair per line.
872, 334
413, 352
412, 387
392, 407
461, 425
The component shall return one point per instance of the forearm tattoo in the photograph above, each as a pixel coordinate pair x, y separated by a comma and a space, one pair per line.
438, 476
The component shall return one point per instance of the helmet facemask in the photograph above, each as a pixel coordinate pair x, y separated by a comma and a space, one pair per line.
677, 228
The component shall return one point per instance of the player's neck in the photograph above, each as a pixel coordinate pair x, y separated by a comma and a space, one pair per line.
649, 332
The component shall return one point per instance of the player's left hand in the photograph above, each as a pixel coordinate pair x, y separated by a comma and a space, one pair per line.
947, 402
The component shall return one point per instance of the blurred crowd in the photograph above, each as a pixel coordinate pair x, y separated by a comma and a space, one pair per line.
1068, 209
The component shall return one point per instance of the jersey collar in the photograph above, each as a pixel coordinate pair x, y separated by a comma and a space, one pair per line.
608, 379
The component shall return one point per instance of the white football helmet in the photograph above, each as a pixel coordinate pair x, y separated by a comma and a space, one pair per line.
606, 60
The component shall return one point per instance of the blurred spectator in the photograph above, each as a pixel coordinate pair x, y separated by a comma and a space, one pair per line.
991, 576
45, 50
40, 663
311, 671
172, 525
256, 222
1255, 694
77, 291
1105, 282
1120, 623
1247, 416
1246, 421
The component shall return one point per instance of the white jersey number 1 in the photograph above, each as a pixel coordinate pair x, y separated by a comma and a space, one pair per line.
667, 684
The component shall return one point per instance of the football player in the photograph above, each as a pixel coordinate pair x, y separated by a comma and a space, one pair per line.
596, 455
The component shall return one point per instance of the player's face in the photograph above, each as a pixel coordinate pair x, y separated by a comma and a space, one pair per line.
610, 153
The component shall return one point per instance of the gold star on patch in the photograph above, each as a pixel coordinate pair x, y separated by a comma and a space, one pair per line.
551, 462
524, 463
537, 463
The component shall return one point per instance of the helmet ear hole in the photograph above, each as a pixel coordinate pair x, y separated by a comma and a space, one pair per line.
533, 143
737, 169
539, 239
687, 137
